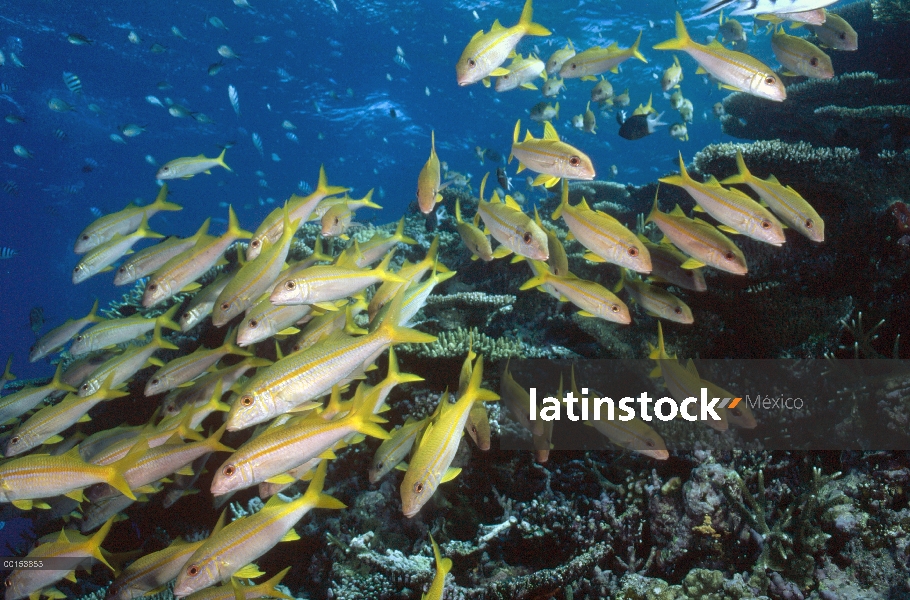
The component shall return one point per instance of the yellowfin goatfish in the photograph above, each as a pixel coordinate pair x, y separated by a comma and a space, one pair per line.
162, 461
321, 284
231, 550
428, 185
44, 426
100, 258
801, 56
443, 566
756, 7
550, 157
593, 299
666, 267
44, 476
123, 222
681, 381
597, 60
602, 93
410, 272
784, 201
186, 368
336, 220
516, 231
486, 52
32, 583
148, 260
734, 70
264, 320
700, 240
521, 72
155, 570
254, 278
378, 246
607, 239
308, 374
235, 590
299, 207
268, 456
738, 212
836, 33
474, 239
123, 366
59, 336
431, 464
655, 301
186, 167
203, 303
393, 451
634, 435
740, 415
671, 76
559, 57
18, 403
180, 272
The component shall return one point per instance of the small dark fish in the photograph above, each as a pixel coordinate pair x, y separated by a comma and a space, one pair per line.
214, 68
11, 188
505, 182
638, 126
36, 319
7, 252
96, 212
393, 113
60, 134
72, 82
6, 88
77, 39
89, 165
493, 155
157, 48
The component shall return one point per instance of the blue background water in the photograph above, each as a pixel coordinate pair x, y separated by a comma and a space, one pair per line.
327, 53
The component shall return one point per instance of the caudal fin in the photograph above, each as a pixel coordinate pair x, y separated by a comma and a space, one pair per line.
682, 40
525, 21
221, 162
743, 173
634, 49
398, 334
314, 490
161, 202
324, 188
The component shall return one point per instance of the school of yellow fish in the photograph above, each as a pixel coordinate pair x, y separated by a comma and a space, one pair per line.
295, 407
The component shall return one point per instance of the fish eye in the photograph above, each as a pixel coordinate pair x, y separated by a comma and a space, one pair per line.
85, 238
185, 316
193, 570
770, 80
336, 220
8, 582
171, 408
247, 401
809, 224
77, 269
574, 161
842, 36
254, 243
677, 310
290, 285
155, 381
14, 440
766, 224
813, 61
527, 237
472, 63
418, 487
735, 412
633, 251
84, 387
229, 471
152, 287
572, 66
121, 270
79, 338
728, 255
225, 305
473, 429
253, 324
165, 169
649, 442
614, 308
505, 76
378, 466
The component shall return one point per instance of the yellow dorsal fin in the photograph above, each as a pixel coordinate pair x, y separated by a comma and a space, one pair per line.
549, 132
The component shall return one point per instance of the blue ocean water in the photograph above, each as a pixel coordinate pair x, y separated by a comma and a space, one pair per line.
339, 84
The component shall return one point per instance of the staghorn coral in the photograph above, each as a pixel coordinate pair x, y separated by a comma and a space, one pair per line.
455, 344
891, 11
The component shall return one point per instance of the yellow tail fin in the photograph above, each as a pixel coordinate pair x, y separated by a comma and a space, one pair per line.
682, 39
